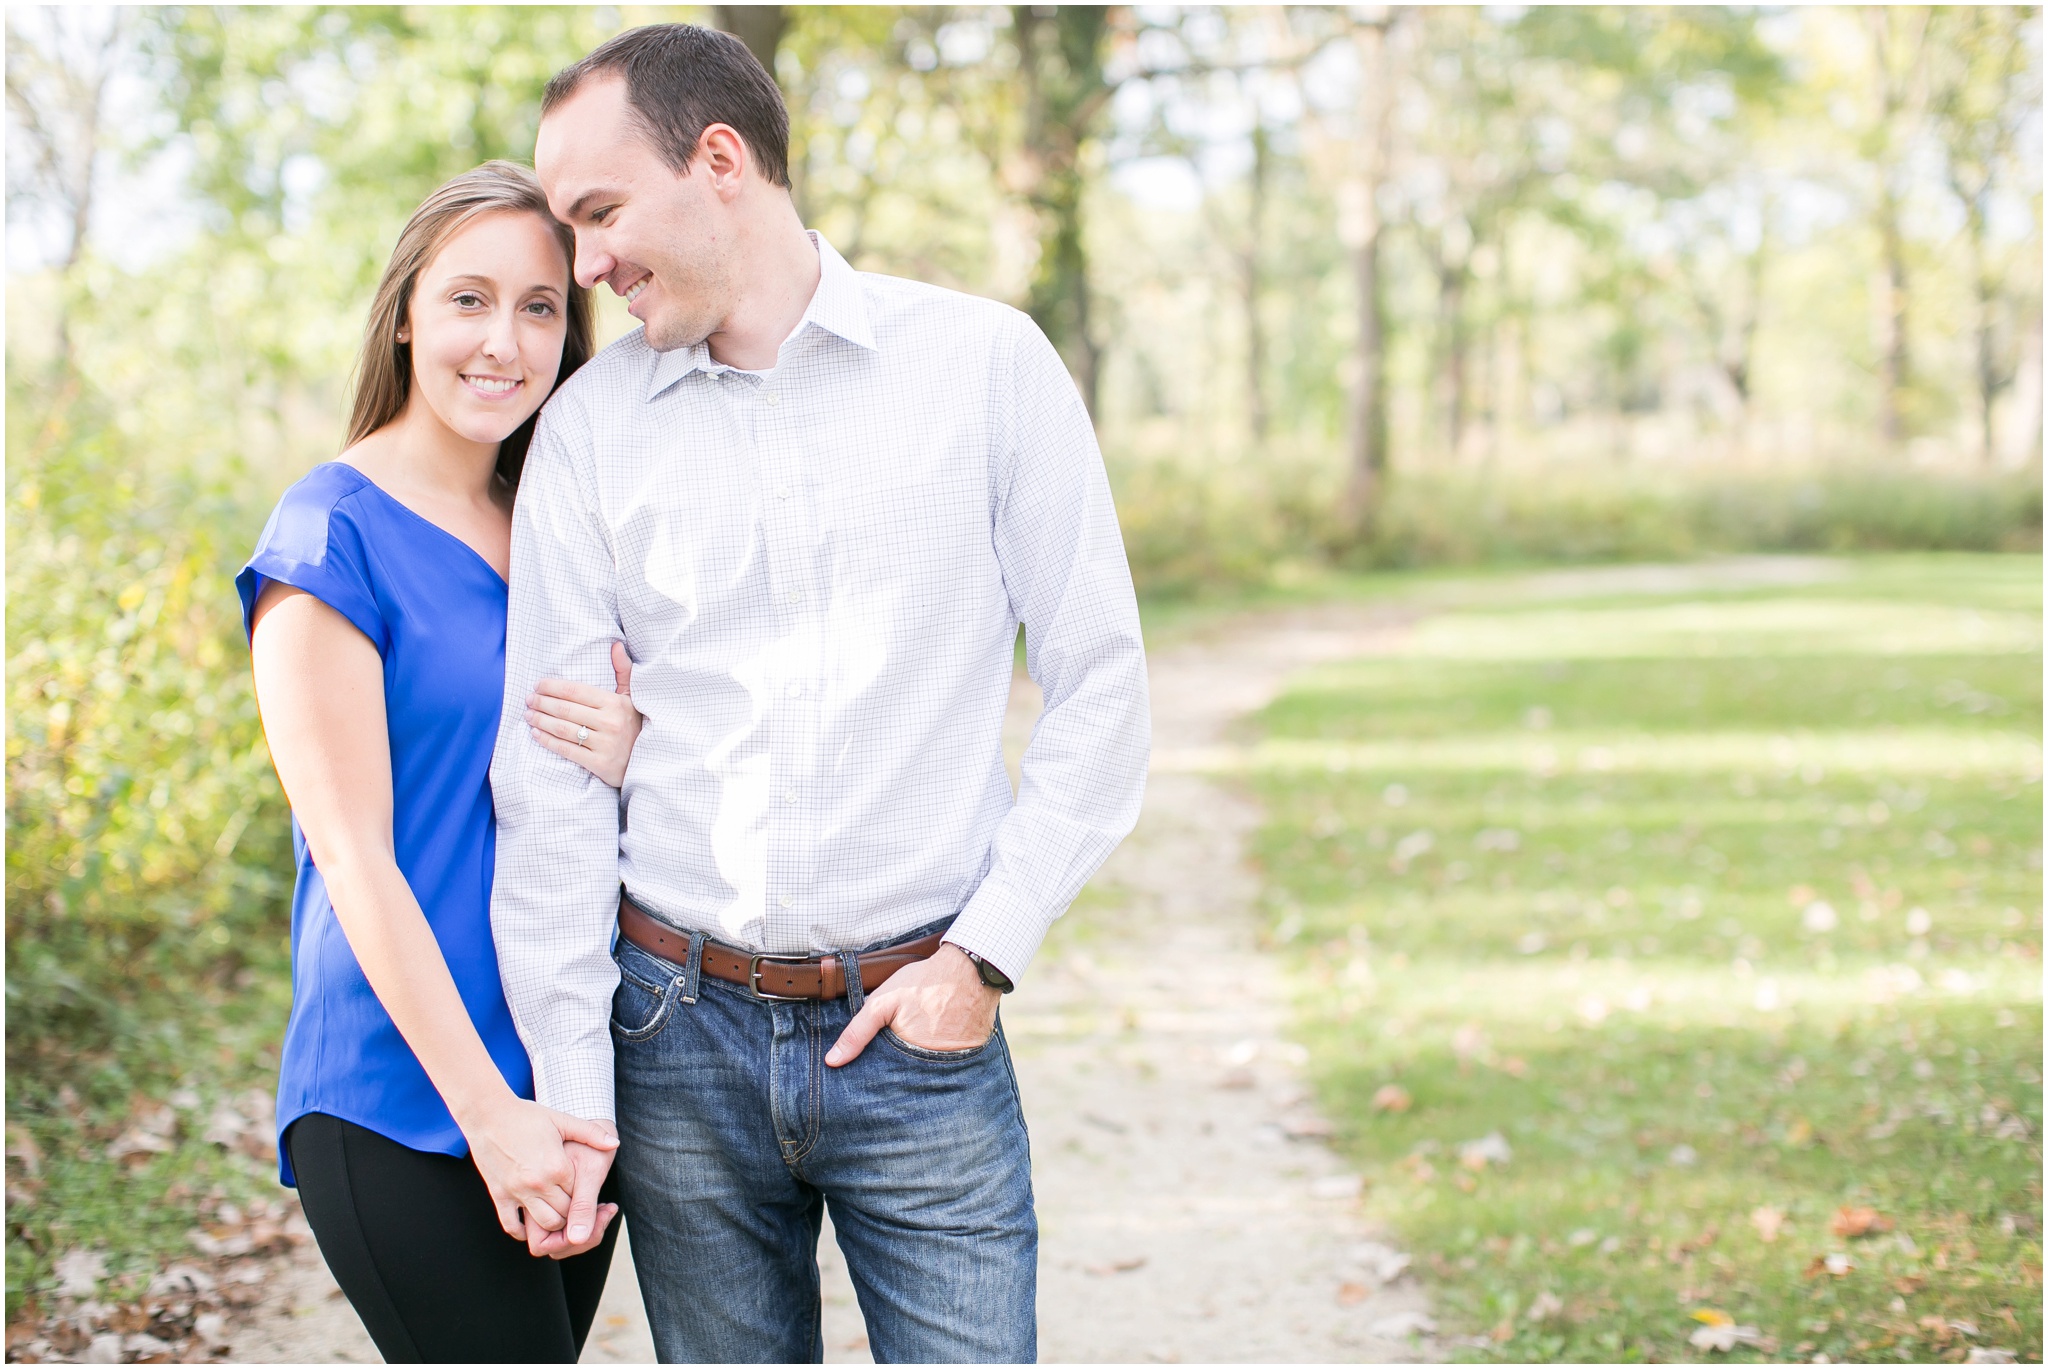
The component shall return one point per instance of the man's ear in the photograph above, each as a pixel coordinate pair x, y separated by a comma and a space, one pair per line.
722, 155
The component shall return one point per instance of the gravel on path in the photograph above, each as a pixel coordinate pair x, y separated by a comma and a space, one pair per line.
1188, 1207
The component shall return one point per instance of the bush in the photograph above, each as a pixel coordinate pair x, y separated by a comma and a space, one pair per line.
148, 857
1187, 529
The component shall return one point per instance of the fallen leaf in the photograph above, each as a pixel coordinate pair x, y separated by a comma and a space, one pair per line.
1352, 1294
1123, 1266
1850, 1222
1545, 1306
79, 1273
1990, 1354
1818, 917
1402, 1324
1725, 1337
22, 1146
1391, 1098
1768, 1222
1800, 1134
1712, 1316
1490, 1149
1307, 1128
1382, 1264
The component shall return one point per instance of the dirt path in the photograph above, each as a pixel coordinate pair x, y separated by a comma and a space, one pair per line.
1189, 1210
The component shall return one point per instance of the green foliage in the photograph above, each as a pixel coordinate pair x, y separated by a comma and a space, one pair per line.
1708, 902
1188, 528
147, 847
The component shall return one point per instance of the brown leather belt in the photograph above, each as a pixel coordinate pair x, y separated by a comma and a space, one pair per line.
774, 977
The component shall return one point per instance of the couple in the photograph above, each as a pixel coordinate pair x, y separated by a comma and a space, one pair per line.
655, 847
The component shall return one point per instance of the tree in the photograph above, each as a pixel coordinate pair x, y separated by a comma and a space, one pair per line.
1368, 433
1060, 52
58, 65
760, 27
1983, 88
1897, 45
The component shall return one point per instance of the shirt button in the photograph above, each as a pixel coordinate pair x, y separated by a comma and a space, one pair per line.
795, 690
771, 399
782, 493
787, 900
789, 796
795, 595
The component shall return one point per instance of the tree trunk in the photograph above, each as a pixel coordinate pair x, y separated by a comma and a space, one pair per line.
760, 27
1254, 330
1059, 53
1895, 363
1451, 321
1367, 488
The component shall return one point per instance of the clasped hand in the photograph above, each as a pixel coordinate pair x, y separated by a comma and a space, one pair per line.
544, 1170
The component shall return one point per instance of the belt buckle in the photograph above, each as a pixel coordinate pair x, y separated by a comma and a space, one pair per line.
754, 977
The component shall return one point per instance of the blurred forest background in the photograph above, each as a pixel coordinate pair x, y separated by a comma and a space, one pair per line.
1344, 288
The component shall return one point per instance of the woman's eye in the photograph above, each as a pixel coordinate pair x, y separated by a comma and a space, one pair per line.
466, 300
541, 309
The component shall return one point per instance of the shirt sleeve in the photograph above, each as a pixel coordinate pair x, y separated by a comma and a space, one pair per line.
555, 898
312, 543
1062, 558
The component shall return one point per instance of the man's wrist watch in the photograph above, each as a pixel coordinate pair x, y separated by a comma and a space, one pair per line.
990, 975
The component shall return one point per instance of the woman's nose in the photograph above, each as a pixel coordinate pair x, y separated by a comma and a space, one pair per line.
501, 343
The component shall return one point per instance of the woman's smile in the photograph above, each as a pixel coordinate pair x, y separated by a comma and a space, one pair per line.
492, 387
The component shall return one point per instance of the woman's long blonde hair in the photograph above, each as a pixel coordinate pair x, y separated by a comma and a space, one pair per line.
383, 377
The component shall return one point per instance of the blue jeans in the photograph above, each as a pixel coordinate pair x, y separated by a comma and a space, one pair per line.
734, 1136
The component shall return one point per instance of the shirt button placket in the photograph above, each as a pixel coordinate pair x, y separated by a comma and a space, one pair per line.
786, 556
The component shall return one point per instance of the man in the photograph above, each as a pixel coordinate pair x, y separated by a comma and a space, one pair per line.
815, 505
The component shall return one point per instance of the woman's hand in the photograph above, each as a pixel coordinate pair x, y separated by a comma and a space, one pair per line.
559, 711
518, 1147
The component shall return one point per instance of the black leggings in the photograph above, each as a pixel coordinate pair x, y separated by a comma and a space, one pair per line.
414, 1241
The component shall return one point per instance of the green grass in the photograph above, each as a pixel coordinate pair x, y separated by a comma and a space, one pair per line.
1550, 867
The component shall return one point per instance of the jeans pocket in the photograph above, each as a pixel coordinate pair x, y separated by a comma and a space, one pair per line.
641, 1008
916, 1052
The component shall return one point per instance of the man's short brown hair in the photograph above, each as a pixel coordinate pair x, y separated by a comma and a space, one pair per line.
681, 79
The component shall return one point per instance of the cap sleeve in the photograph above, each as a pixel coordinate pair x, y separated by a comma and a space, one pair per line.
313, 542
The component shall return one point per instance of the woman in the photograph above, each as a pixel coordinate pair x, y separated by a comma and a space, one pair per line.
375, 604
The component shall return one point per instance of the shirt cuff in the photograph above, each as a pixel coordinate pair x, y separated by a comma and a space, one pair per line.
575, 1082
1002, 927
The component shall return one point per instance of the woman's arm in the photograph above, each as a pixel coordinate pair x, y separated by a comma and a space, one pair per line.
320, 687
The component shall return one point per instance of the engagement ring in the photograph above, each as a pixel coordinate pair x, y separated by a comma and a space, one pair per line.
583, 736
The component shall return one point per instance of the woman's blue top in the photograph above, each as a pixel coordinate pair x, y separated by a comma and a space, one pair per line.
435, 610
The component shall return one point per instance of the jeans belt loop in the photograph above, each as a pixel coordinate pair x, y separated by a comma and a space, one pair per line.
693, 968
855, 995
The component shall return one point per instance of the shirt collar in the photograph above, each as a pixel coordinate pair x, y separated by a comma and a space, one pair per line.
839, 306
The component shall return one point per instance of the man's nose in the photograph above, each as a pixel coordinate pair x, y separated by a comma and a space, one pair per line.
593, 264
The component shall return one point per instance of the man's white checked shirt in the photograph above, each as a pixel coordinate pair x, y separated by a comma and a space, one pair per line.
819, 572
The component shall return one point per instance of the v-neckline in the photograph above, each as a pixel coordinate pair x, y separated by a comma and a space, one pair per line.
410, 512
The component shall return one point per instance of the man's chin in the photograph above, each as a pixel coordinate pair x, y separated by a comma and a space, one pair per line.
666, 336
